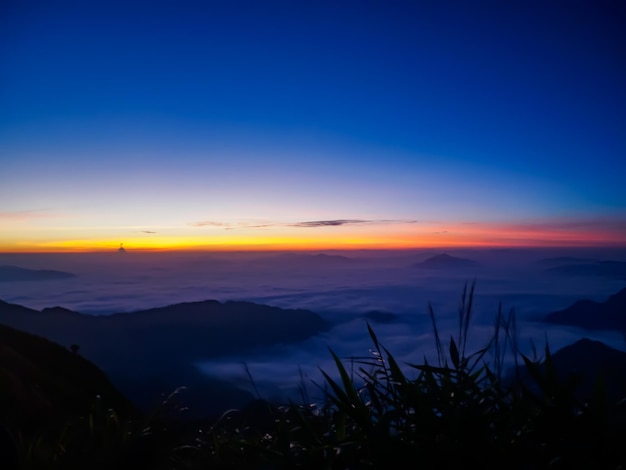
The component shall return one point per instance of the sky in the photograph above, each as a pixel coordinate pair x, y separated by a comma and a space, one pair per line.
311, 125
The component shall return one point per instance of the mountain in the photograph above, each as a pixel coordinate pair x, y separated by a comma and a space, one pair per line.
377, 316
306, 261
43, 381
612, 269
586, 361
17, 274
562, 260
204, 329
151, 352
445, 261
609, 315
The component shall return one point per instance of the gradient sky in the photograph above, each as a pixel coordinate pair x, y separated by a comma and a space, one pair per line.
311, 124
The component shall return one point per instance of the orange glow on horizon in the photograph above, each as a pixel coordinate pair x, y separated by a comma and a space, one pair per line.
349, 237
476, 237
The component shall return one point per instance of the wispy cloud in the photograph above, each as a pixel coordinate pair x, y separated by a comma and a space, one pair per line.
582, 231
329, 223
147, 231
303, 224
605, 223
24, 215
338, 222
209, 223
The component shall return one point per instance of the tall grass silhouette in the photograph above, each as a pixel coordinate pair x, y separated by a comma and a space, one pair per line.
488, 408
463, 411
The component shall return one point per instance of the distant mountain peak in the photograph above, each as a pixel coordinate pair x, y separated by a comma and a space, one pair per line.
58, 310
444, 260
602, 268
592, 315
619, 297
306, 260
17, 274
587, 360
559, 260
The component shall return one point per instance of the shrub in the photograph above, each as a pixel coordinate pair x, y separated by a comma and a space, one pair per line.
462, 411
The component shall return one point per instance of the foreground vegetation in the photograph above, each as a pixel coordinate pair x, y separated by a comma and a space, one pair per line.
462, 411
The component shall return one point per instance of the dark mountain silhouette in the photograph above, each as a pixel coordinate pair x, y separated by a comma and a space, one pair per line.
376, 316
306, 261
15, 274
612, 269
205, 329
151, 352
445, 261
584, 363
562, 260
43, 381
591, 359
609, 315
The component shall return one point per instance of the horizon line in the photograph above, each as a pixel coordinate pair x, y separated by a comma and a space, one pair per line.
252, 249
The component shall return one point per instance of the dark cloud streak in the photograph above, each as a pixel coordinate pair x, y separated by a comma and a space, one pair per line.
338, 222
330, 223
304, 224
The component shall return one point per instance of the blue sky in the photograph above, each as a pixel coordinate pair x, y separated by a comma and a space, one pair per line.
157, 115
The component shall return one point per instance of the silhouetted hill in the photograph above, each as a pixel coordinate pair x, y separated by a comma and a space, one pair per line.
15, 274
562, 260
587, 361
205, 329
377, 316
445, 261
306, 261
210, 328
612, 269
150, 352
609, 315
43, 381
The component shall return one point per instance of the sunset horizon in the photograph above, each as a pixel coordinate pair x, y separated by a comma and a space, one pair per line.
329, 235
312, 234
311, 126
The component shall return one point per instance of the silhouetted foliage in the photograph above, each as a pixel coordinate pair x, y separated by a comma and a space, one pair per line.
461, 411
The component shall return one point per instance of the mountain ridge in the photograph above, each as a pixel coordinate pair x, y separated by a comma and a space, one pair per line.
150, 352
591, 315
10, 273
42, 379
444, 261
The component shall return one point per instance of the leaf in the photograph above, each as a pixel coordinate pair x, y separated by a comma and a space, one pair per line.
348, 399
373, 336
454, 354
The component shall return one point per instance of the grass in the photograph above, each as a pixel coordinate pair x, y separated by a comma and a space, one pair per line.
463, 411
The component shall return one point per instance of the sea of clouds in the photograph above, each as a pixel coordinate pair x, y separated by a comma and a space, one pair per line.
342, 290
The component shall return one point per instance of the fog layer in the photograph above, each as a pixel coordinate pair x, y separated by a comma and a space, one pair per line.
345, 288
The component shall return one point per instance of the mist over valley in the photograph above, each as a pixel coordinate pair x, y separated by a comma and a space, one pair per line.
115, 310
